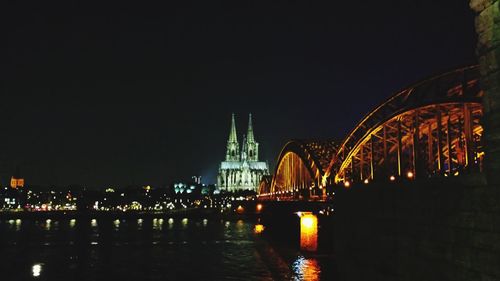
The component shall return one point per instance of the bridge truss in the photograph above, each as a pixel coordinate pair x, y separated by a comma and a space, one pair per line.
430, 129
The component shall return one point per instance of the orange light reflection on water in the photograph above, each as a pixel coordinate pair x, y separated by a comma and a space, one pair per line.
306, 269
258, 207
258, 229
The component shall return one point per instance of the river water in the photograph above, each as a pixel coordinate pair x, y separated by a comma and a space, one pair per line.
149, 249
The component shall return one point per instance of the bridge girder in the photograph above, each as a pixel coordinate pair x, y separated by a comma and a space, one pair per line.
440, 139
386, 135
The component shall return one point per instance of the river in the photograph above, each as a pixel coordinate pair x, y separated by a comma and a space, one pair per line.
149, 249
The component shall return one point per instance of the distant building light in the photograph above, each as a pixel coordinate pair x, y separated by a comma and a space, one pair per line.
240, 209
16, 183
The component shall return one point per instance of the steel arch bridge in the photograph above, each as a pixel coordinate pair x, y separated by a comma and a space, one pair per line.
300, 169
430, 129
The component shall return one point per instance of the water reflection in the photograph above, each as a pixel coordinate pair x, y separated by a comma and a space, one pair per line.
306, 269
157, 224
36, 269
236, 245
18, 224
48, 224
258, 229
240, 229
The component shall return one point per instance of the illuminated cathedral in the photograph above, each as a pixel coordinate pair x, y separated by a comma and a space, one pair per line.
241, 170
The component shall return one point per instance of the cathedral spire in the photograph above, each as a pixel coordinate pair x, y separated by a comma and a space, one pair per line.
232, 134
233, 148
250, 137
252, 147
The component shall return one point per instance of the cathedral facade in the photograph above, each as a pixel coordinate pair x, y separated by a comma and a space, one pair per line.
241, 169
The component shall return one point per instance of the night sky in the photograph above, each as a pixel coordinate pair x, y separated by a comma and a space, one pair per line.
133, 93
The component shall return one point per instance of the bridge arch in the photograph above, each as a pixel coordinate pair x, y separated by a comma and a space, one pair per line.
300, 168
431, 128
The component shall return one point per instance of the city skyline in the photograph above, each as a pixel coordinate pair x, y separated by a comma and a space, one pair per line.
250, 140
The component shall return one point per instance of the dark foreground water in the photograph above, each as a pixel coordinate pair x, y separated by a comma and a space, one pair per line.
149, 249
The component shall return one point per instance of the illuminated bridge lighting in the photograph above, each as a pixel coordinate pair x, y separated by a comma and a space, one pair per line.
431, 129
300, 170
308, 231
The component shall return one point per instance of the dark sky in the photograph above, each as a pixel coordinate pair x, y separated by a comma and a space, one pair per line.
132, 93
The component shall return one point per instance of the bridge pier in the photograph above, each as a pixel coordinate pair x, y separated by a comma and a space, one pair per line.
306, 226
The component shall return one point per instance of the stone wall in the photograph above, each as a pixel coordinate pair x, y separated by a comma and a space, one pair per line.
440, 230
488, 52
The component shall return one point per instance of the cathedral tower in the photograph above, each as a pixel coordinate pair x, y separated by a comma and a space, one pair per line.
252, 147
233, 148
